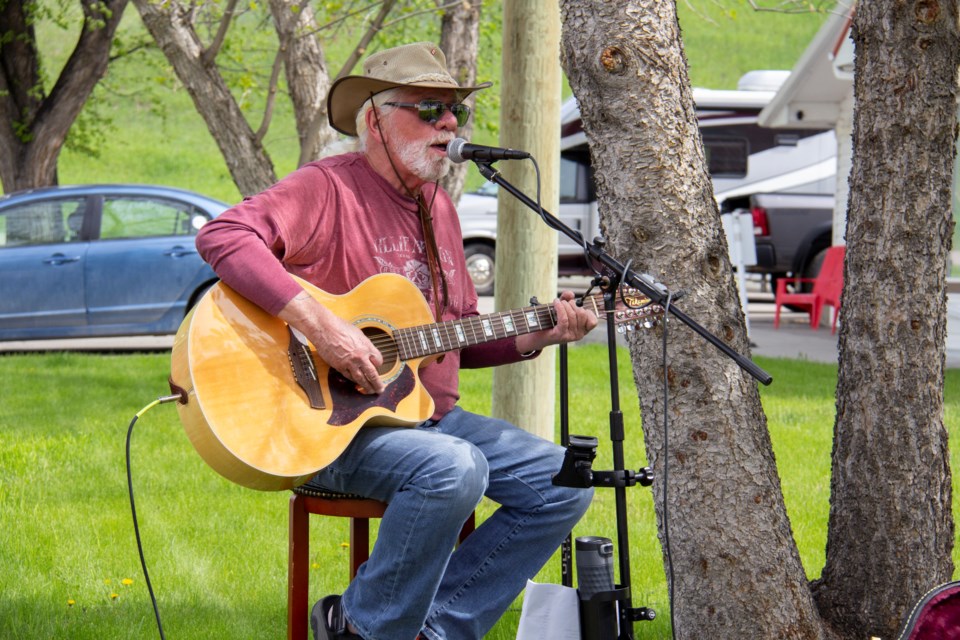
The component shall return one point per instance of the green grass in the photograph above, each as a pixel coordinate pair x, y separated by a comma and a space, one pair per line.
217, 552
164, 141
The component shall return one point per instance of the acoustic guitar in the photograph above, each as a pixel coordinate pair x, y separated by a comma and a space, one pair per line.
266, 412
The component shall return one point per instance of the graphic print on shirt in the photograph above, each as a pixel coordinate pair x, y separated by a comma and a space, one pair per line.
407, 257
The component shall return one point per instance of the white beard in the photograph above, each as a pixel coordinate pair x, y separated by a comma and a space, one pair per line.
415, 157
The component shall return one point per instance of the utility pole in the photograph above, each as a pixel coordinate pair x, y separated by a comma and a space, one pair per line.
526, 248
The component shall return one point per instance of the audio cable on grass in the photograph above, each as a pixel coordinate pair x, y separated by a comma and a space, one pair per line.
133, 508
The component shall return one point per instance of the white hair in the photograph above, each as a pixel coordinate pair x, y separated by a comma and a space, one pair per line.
378, 99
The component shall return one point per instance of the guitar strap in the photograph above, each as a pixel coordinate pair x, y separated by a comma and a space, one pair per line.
426, 227
437, 278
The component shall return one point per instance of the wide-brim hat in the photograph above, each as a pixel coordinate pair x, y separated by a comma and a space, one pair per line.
421, 64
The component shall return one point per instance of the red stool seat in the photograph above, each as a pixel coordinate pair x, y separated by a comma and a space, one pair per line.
360, 510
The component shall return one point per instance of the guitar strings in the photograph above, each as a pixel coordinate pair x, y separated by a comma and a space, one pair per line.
390, 344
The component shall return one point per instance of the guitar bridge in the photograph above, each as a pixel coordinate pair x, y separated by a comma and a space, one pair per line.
304, 369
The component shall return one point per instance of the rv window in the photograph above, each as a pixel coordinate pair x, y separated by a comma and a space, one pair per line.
726, 157
575, 177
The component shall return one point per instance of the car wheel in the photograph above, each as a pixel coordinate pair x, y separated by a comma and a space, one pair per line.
480, 267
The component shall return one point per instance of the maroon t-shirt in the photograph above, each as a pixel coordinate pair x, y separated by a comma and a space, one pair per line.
334, 223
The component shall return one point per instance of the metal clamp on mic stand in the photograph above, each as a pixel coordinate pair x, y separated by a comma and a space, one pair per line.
606, 608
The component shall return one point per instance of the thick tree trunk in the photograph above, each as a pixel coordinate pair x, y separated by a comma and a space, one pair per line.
891, 530
736, 570
170, 25
308, 78
33, 125
460, 40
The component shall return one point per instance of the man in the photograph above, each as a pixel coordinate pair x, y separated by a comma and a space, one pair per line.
336, 222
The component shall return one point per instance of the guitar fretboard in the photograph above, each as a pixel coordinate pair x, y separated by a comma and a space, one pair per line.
429, 339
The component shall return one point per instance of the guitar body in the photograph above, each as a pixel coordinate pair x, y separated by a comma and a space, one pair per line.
246, 413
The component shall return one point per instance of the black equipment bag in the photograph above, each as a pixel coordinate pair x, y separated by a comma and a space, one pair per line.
936, 616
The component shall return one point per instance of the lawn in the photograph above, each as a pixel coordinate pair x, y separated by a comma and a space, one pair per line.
217, 552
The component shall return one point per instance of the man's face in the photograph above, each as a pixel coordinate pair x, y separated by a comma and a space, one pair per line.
420, 146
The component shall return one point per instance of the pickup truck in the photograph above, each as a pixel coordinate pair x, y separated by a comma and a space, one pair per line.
578, 209
792, 233
785, 178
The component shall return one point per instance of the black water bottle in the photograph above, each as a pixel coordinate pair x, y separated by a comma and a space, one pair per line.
594, 566
598, 607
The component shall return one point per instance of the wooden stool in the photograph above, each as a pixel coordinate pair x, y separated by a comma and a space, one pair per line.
303, 502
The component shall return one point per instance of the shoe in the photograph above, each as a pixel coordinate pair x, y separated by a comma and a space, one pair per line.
324, 630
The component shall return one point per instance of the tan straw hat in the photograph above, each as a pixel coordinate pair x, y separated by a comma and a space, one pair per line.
421, 64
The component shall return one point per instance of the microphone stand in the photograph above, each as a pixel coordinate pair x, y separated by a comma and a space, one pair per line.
644, 283
600, 618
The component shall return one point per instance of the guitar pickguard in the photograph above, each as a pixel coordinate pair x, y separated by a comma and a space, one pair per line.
349, 404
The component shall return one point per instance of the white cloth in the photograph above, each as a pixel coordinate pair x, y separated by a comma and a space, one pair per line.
550, 611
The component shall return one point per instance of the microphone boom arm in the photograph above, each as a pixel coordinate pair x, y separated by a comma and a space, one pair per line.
656, 292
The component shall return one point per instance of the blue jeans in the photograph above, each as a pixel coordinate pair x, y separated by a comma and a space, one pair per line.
432, 477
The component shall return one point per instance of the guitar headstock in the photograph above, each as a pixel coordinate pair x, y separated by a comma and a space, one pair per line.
633, 310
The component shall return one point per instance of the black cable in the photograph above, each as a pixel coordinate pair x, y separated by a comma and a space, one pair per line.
666, 466
133, 509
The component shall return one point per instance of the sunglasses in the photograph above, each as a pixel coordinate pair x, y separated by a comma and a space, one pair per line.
432, 110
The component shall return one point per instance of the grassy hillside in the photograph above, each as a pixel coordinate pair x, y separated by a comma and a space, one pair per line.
153, 134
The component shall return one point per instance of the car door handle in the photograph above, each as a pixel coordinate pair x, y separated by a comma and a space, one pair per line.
179, 252
59, 258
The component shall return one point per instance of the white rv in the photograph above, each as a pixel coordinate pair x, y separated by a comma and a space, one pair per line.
784, 177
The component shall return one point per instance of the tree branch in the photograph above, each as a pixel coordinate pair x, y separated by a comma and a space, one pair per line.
210, 53
271, 96
422, 11
361, 47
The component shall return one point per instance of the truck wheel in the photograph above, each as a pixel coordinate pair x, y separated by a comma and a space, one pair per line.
480, 266
812, 268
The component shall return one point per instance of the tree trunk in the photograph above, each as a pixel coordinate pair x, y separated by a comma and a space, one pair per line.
34, 125
891, 529
526, 248
170, 25
308, 78
459, 41
736, 571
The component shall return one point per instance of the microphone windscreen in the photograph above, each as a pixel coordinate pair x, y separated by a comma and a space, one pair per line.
455, 150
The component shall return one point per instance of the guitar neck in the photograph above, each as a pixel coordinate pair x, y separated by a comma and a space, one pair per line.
441, 337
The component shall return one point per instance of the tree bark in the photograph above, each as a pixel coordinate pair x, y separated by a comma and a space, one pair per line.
33, 124
170, 24
736, 571
308, 78
460, 41
891, 528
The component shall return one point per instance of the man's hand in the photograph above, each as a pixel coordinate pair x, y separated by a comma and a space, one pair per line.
573, 323
340, 344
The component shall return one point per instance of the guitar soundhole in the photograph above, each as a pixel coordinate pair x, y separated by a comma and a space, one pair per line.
384, 342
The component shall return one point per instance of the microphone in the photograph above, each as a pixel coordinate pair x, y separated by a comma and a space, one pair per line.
459, 150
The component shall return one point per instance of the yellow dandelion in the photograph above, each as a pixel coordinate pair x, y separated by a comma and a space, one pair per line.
315, 565
71, 602
127, 582
114, 596
344, 545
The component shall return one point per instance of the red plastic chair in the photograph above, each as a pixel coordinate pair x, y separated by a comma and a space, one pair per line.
827, 287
